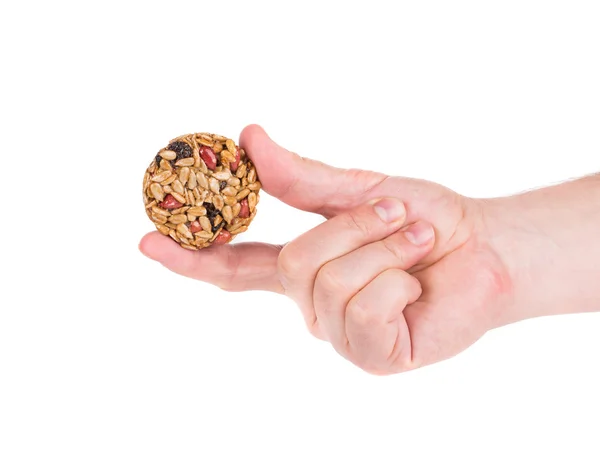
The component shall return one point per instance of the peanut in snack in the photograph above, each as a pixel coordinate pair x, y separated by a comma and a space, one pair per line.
201, 190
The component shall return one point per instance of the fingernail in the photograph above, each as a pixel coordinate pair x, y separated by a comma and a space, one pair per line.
419, 233
389, 210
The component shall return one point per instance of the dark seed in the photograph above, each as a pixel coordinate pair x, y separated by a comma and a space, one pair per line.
157, 158
218, 227
211, 212
222, 185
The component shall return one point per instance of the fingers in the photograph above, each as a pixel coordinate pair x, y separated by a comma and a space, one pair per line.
342, 278
304, 183
302, 258
378, 336
233, 267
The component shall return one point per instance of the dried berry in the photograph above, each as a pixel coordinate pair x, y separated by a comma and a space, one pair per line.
195, 227
208, 156
170, 202
211, 212
244, 210
222, 238
182, 149
234, 165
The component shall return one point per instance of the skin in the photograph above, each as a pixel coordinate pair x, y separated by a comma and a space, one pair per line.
404, 272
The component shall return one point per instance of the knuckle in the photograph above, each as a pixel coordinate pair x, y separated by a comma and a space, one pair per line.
329, 279
358, 223
395, 249
360, 313
290, 262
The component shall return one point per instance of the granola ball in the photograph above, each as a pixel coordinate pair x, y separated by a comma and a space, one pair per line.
201, 190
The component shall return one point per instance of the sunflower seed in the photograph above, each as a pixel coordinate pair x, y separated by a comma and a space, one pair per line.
192, 181
184, 174
197, 211
218, 201
177, 187
181, 210
205, 224
222, 175
251, 201
185, 162
157, 192
174, 236
227, 214
168, 154
235, 226
163, 230
170, 180
230, 145
204, 235
179, 197
188, 246
254, 186
196, 194
213, 184
177, 219
242, 194
236, 209
218, 147
252, 175
183, 229
241, 171
227, 156
206, 142
167, 189
158, 210
159, 218
165, 165
230, 200
202, 180
229, 191
162, 176
196, 157
202, 167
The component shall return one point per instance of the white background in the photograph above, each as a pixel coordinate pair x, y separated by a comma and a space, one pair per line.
104, 353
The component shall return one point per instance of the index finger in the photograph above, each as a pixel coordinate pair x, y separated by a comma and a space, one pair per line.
232, 267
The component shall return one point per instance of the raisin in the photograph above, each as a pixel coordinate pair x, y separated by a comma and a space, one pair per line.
157, 158
211, 212
182, 149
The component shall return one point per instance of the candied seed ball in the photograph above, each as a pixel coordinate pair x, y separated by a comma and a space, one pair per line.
201, 190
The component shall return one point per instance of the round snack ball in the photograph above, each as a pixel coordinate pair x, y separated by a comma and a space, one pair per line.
201, 190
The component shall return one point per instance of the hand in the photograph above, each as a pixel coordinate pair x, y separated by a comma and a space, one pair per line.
399, 276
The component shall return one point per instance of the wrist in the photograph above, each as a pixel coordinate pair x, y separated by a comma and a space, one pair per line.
549, 242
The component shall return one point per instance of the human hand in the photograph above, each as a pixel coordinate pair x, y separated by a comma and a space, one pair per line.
390, 293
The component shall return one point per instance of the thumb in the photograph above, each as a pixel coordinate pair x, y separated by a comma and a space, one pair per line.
305, 183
